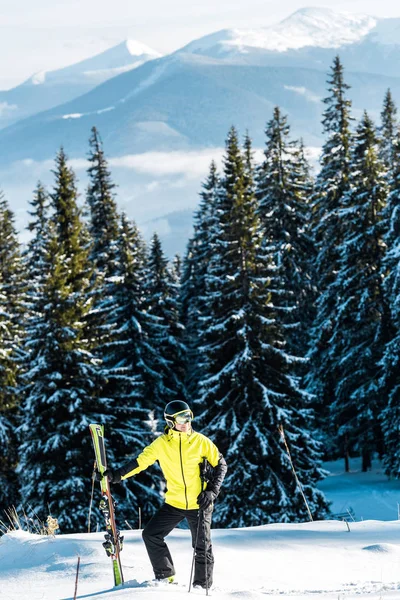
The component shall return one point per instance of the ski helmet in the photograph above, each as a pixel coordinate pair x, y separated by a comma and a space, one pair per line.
177, 411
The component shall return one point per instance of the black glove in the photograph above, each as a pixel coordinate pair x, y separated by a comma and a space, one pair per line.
112, 476
205, 499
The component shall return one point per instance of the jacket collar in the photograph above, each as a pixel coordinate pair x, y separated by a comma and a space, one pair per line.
174, 434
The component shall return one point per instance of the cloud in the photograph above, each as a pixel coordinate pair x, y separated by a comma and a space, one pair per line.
6, 108
187, 165
46, 165
190, 164
303, 92
172, 169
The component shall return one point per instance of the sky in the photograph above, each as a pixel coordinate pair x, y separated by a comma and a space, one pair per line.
45, 35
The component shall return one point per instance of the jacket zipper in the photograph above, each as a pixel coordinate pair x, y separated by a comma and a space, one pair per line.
183, 474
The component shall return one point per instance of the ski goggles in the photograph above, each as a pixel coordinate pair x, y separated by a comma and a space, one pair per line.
185, 416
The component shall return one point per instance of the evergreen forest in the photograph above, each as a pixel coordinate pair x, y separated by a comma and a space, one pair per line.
280, 325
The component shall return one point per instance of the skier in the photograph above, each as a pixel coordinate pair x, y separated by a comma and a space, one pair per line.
181, 453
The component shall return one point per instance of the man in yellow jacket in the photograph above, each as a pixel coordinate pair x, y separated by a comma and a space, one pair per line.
181, 453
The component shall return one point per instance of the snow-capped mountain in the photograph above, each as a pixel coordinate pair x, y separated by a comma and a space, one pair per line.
307, 27
308, 39
187, 101
123, 57
49, 88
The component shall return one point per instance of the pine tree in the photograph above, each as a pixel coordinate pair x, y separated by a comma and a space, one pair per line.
63, 379
390, 363
358, 336
37, 247
162, 300
283, 191
36, 266
129, 368
103, 226
195, 264
12, 309
248, 389
330, 186
388, 131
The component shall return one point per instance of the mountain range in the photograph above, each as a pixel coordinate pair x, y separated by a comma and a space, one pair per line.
186, 101
47, 89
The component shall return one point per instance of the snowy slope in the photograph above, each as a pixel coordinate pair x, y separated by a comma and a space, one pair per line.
370, 495
307, 560
302, 560
49, 88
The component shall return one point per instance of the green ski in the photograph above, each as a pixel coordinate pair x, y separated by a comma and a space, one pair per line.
114, 542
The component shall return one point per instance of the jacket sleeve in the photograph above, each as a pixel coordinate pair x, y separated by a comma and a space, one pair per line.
145, 459
217, 468
217, 475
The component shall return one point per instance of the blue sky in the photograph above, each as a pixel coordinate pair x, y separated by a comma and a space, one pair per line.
47, 34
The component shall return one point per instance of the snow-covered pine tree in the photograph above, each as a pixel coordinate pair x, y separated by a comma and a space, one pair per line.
331, 183
131, 372
63, 379
248, 389
37, 248
283, 191
163, 304
36, 267
357, 341
176, 269
104, 231
388, 131
194, 269
390, 363
103, 225
12, 322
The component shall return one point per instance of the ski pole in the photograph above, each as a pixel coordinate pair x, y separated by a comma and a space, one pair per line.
281, 431
200, 515
76, 578
205, 551
194, 551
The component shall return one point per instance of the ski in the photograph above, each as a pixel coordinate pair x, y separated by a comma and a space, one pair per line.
114, 542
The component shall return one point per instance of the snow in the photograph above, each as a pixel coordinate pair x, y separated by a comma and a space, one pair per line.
103, 110
320, 558
301, 560
38, 78
128, 55
319, 27
370, 495
156, 74
136, 48
108, 73
73, 116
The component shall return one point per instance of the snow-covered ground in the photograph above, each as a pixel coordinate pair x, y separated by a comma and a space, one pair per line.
370, 495
302, 560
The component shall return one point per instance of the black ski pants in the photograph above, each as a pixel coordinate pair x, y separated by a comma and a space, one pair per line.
162, 523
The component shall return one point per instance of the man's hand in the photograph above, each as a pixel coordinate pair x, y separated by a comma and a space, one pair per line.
112, 476
205, 499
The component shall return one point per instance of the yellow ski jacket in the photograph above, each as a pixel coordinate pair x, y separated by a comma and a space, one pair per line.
179, 455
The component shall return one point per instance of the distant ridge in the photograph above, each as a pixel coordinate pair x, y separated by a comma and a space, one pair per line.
127, 55
46, 89
307, 27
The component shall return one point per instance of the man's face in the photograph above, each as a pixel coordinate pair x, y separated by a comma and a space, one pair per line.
184, 427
